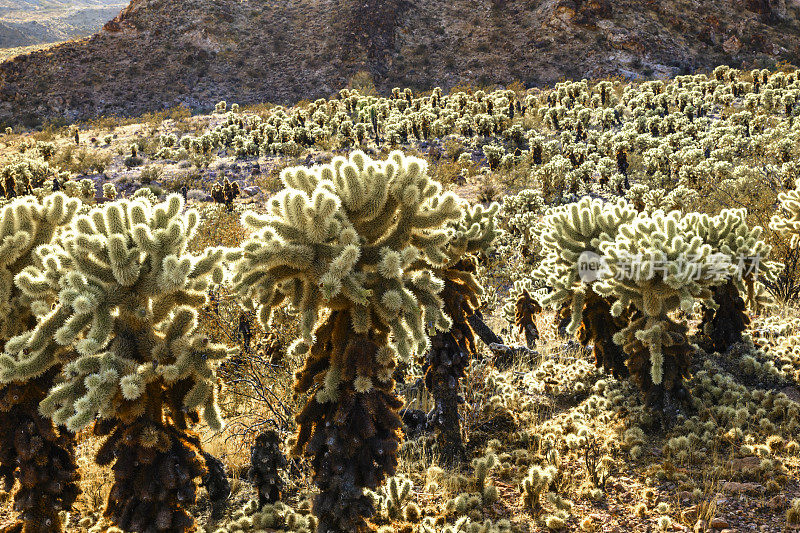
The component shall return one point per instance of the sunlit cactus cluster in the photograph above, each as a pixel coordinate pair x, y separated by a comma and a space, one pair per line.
33, 450
656, 222
620, 275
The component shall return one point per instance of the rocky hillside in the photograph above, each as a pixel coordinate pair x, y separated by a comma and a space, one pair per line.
31, 22
161, 53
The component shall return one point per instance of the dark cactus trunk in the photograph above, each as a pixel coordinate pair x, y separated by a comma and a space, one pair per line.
446, 365
447, 360
266, 463
599, 327
725, 326
40, 456
155, 467
670, 395
216, 483
352, 438
563, 318
483, 331
525, 311
156, 461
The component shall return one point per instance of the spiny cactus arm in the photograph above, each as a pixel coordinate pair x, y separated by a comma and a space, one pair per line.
39, 283
162, 305
75, 403
468, 286
32, 353
25, 224
788, 222
475, 231
749, 253
422, 209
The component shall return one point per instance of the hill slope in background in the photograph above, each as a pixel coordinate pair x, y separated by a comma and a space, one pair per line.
35, 5
31, 22
160, 53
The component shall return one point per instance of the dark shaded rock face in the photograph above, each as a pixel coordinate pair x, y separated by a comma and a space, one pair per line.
161, 53
770, 10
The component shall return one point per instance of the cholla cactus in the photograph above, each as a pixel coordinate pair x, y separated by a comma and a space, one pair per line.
571, 239
359, 239
788, 222
482, 466
266, 463
447, 360
24, 174
272, 517
83, 189
535, 484
522, 308
126, 293
109, 191
519, 217
32, 450
644, 198
793, 513
393, 497
729, 234
225, 192
659, 263
636, 196
216, 484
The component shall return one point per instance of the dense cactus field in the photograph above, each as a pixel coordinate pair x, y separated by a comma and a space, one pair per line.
492, 310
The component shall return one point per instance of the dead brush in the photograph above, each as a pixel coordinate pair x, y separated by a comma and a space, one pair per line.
95, 480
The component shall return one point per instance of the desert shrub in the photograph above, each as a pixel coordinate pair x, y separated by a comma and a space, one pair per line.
81, 161
150, 174
363, 83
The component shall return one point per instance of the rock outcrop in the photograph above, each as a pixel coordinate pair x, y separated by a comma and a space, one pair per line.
158, 54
